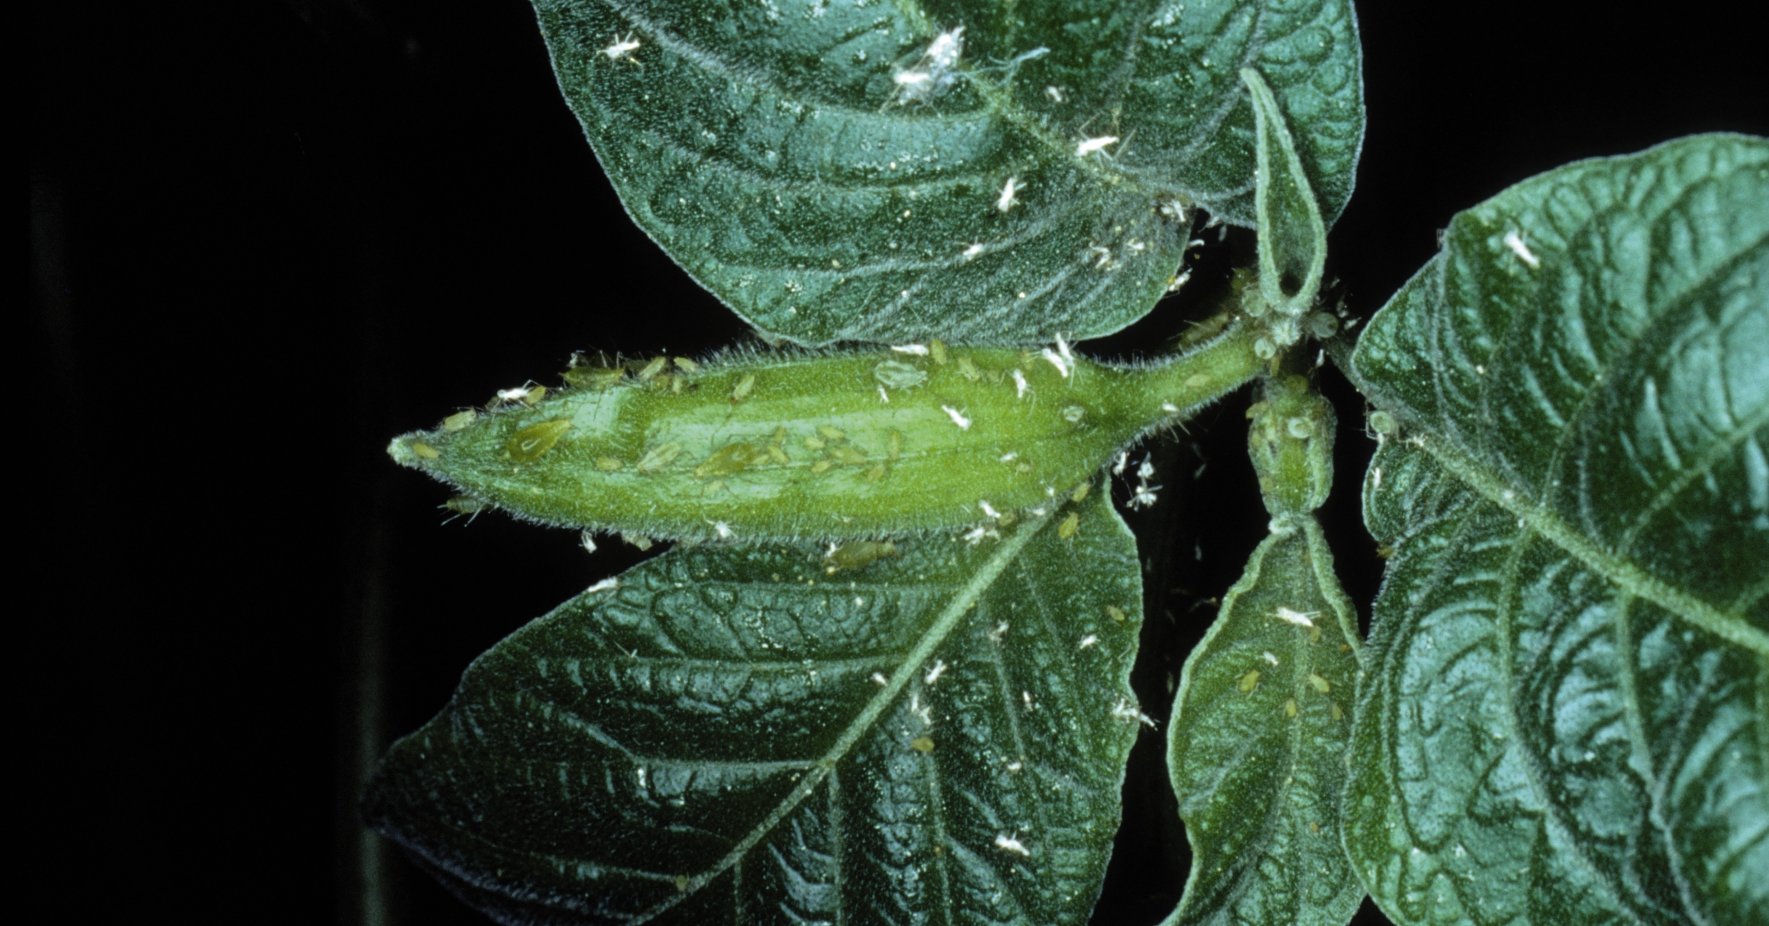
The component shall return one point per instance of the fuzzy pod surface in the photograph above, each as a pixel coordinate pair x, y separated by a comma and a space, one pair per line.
832, 445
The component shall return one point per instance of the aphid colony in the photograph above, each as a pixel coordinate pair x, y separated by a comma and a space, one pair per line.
844, 445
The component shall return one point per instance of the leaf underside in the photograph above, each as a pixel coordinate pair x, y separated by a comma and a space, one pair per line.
742, 735
1256, 749
1565, 712
837, 171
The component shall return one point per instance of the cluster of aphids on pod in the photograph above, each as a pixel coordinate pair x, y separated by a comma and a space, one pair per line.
849, 446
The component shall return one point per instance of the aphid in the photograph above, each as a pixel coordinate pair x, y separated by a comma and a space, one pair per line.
465, 505
650, 370
659, 457
936, 349
685, 365
744, 387
899, 375
424, 451
731, 459
922, 744
1383, 424
1248, 681
529, 443
588, 377
1070, 525
459, 420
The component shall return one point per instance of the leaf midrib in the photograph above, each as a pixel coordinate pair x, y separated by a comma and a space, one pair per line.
1620, 571
961, 603
999, 104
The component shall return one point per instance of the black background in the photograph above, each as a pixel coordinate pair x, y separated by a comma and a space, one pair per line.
265, 237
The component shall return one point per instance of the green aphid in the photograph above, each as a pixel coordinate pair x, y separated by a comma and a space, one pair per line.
857, 553
659, 457
594, 377
466, 504
527, 445
733, 458
895, 374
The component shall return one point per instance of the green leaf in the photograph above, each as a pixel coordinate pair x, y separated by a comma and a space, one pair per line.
1260, 724
1257, 749
867, 171
1565, 712
1292, 237
758, 735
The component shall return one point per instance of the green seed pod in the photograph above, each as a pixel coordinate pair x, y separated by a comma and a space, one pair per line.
814, 449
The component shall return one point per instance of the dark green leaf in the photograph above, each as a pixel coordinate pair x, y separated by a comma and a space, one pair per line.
1257, 749
934, 733
1565, 716
853, 170
1292, 238
1263, 713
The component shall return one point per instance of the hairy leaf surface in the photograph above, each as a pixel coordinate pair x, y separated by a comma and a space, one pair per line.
977, 171
1257, 748
1263, 713
775, 735
1565, 716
